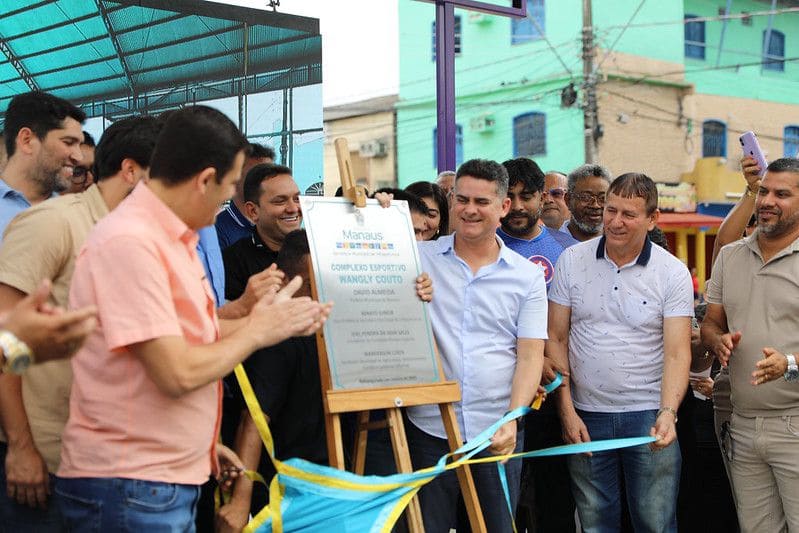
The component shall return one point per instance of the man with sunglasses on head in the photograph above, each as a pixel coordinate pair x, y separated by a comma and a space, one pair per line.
82, 175
554, 211
588, 185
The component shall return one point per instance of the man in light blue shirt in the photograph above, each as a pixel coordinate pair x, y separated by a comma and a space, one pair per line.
489, 321
42, 137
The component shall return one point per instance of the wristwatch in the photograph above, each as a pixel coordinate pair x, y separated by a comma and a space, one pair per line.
17, 354
792, 374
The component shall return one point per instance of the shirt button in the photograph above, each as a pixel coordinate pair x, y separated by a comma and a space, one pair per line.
618, 271
615, 288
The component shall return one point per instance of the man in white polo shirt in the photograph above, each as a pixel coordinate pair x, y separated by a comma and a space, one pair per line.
620, 319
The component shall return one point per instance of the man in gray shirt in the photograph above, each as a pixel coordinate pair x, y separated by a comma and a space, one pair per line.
752, 325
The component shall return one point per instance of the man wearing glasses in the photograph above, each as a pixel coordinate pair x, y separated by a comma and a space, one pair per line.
554, 210
586, 198
82, 175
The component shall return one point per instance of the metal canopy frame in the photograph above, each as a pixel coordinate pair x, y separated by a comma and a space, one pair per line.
103, 61
445, 68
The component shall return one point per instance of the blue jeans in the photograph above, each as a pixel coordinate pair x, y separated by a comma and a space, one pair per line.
439, 498
128, 505
19, 518
651, 478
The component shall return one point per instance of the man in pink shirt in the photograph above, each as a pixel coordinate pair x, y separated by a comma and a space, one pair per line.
145, 401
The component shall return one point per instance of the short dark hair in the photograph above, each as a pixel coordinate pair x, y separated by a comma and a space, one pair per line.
256, 175
784, 164
195, 138
259, 151
525, 171
415, 204
425, 189
290, 258
39, 111
636, 185
657, 236
340, 192
485, 169
129, 138
88, 140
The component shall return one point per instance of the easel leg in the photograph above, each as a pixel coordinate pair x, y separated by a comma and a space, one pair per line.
468, 490
335, 448
361, 436
402, 457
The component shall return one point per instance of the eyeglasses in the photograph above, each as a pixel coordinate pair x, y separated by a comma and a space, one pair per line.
588, 198
557, 192
80, 174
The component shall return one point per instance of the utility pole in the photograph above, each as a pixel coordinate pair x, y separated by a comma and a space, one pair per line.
589, 85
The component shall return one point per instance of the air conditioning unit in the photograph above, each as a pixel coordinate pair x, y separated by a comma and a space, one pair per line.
482, 123
373, 148
476, 17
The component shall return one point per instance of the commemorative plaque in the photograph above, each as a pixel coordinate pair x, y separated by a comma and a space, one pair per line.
365, 260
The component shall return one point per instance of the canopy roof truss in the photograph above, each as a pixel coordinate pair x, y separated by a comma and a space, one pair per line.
119, 57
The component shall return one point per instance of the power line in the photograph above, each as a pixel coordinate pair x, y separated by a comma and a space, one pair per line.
707, 69
680, 116
621, 33
708, 19
543, 35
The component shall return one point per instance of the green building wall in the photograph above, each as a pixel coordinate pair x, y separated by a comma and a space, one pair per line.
505, 80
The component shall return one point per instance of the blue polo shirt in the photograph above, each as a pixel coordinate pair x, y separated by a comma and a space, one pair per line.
11, 203
232, 225
477, 319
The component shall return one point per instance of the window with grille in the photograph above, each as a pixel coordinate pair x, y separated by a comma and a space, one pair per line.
791, 141
714, 139
529, 134
525, 30
775, 50
457, 37
458, 146
694, 37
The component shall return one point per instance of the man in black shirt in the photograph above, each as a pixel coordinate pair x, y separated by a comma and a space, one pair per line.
272, 201
285, 379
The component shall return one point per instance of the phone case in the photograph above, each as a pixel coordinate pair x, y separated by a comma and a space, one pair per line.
752, 148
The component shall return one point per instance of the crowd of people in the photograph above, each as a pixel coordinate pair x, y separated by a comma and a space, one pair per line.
129, 297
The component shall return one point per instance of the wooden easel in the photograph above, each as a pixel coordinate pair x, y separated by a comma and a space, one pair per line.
362, 401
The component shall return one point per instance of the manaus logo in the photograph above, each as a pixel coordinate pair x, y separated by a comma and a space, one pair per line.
545, 264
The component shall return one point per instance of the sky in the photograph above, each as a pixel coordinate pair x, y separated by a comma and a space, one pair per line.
360, 45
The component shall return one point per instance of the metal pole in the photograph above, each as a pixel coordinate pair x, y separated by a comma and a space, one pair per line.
284, 133
290, 158
723, 31
445, 84
589, 85
243, 81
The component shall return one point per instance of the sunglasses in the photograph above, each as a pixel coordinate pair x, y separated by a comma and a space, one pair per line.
556, 192
79, 174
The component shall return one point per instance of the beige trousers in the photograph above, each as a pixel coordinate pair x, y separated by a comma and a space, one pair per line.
765, 472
